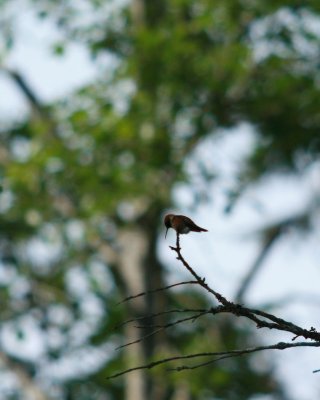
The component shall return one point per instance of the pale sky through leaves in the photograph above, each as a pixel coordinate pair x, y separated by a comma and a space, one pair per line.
291, 273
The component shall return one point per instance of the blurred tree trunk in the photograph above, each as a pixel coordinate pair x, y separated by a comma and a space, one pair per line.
194, 72
141, 272
133, 246
139, 266
137, 12
30, 388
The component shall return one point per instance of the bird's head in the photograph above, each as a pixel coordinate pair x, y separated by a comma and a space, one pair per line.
168, 222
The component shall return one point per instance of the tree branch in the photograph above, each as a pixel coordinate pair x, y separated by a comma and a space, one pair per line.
185, 310
219, 354
252, 314
156, 290
236, 353
162, 327
200, 280
261, 318
28, 92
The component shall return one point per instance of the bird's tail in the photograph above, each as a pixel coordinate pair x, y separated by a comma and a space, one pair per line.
198, 229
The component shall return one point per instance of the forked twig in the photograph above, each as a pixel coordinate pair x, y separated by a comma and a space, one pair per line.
261, 318
221, 355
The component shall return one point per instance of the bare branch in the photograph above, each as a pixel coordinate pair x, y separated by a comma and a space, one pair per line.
236, 353
162, 327
200, 280
179, 321
252, 314
157, 290
185, 310
221, 355
28, 92
261, 318
140, 339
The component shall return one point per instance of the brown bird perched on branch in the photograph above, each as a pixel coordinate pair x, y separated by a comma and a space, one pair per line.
181, 224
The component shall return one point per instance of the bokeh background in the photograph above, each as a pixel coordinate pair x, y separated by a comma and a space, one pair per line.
114, 112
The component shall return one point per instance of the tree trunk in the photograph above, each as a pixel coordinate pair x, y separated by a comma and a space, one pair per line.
133, 247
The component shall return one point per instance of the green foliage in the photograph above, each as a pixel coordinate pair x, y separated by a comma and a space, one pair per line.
75, 173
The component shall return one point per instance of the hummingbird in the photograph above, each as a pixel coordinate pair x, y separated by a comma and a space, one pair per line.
181, 224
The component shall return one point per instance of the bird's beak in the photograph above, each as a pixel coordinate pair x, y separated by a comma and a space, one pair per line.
166, 233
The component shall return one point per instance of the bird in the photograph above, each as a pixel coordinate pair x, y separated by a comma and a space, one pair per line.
181, 224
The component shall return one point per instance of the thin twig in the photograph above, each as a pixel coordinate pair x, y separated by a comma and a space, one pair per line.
140, 339
183, 310
261, 318
252, 314
178, 321
162, 327
156, 290
237, 353
200, 280
232, 353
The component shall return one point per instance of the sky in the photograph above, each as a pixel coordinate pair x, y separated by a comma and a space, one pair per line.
290, 275
50, 76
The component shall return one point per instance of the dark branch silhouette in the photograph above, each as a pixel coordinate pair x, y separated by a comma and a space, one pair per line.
261, 319
161, 327
219, 354
184, 310
157, 290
